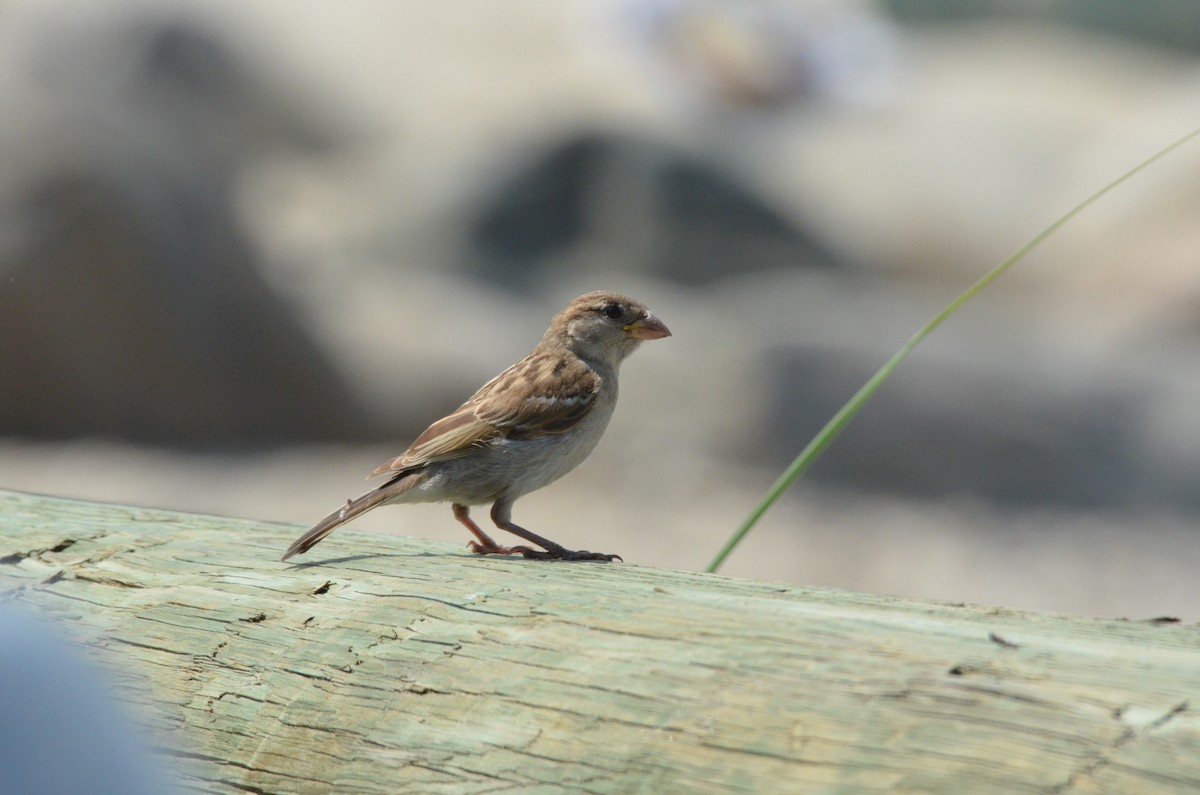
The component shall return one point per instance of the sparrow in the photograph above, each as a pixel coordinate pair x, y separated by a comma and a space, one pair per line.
524, 429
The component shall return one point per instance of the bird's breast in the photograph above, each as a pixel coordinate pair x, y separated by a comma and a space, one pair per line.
531, 464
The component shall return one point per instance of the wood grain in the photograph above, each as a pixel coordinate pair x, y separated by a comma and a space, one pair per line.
386, 665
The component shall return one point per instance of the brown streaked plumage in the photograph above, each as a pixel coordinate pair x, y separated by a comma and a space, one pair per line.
522, 430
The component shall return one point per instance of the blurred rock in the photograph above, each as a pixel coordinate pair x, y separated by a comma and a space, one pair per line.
649, 207
131, 302
942, 428
1175, 23
1001, 407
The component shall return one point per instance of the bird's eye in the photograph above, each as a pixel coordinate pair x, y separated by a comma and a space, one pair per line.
611, 311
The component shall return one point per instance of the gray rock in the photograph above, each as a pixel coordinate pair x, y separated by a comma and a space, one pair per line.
994, 405
656, 209
131, 299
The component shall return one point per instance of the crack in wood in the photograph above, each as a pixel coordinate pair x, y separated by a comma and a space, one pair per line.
148, 646
445, 602
309, 675
14, 558
1167, 717
241, 787
85, 576
1104, 757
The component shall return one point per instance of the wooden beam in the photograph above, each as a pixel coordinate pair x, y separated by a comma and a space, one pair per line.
392, 665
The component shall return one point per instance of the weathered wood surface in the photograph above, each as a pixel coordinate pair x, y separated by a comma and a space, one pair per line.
394, 665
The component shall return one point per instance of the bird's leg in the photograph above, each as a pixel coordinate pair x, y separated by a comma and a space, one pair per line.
502, 516
485, 545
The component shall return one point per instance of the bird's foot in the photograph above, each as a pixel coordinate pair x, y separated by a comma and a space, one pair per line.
495, 549
554, 552
562, 553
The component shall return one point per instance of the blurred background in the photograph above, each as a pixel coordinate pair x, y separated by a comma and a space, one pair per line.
249, 250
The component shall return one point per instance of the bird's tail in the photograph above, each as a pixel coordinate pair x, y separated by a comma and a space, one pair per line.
351, 510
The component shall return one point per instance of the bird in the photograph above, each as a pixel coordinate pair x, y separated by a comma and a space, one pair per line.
524, 429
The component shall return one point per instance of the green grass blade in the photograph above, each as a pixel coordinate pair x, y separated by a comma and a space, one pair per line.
842, 418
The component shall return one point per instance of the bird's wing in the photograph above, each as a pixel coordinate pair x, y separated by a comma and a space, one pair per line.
540, 395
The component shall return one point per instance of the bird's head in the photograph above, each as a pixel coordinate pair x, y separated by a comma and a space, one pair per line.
605, 327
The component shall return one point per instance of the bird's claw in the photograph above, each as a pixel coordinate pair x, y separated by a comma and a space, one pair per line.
553, 553
496, 549
562, 553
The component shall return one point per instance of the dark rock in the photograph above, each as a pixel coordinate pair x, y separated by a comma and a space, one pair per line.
661, 211
132, 303
940, 428
997, 405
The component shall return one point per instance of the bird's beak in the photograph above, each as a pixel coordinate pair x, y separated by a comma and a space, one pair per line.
648, 328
